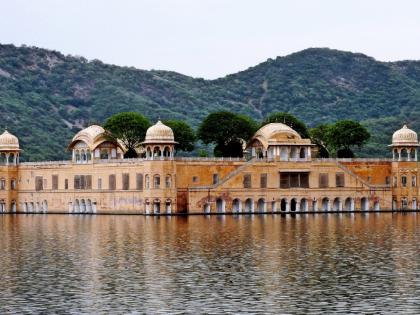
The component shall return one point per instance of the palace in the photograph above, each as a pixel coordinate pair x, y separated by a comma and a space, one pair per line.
278, 175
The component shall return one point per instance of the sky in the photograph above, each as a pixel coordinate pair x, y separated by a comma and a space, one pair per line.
211, 38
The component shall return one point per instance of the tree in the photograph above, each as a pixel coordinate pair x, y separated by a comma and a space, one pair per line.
183, 134
345, 134
290, 120
227, 131
320, 136
128, 127
339, 138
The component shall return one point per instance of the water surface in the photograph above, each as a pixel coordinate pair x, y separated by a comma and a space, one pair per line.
257, 264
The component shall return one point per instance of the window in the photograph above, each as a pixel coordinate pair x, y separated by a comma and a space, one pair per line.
54, 182
83, 182
404, 181
369, 179
339, 180
13, 184
45, 183
112, 182
323, 180
38, 183
387, 180
294, 180
99, 183
215, 178
104, 154
139, 181
413, 181
147, 179
168, 181
395, 181
126, 181
3, 184
263, 181
156, 182
247, 181
195, 179
66, 184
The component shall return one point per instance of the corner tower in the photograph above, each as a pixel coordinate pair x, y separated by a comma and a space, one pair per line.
9, 160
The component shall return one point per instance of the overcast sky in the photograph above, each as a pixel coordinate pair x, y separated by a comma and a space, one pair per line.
211, 38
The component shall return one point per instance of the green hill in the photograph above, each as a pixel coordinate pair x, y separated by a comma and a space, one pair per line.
45, 97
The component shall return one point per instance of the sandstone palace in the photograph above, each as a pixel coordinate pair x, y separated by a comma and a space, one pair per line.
278, 175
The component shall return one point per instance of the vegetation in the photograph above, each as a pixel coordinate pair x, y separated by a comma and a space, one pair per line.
183, 134
227, 131
128, 127
340, 138
46, 97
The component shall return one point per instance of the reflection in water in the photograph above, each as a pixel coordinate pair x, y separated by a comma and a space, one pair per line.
210, 264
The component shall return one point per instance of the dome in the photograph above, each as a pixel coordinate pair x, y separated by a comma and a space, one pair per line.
404, 137
91, 136
270, 130
8, 142
159, 133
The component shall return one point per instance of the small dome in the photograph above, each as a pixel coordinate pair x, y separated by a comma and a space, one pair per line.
404, 136
8, 142
91, 132
159, 133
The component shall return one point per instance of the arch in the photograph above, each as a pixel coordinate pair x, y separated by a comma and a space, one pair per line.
349, 204
70, 207
88, 156
303, 205
156, 206
44, 206
325, 204
249, 205
82, 205
147, 206
404, 155
83, 157
2, 184
156, 152
2, 207
336, 206
168, 206
396, 154
3, 159
364, 204
206, 207
314, 205
76, 206
38, 207
166, 151
302, 153
261, 205
293, 153
89, 206
11, 159
148, 152
293, 205
236, 205
283, 204
13, 206
31, 207
25, 207
273, 206
414, 204
413, 154
284, 154
104, 154
376, 205
220, 205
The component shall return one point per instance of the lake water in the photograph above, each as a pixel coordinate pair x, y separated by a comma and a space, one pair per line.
331, 263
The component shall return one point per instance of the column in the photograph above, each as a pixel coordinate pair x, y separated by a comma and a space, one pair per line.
340, 205
7, 158
399, 154
415, 155
287, 206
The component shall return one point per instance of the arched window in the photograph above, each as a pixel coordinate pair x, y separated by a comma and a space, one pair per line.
156, 152
88, 156
11, 159
3, 159
2, 184
77, 156
404, 154
413, 154
168, 181
156, 182
293, 153
166, 152
147, 181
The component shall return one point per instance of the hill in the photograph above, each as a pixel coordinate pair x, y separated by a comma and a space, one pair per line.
45, 97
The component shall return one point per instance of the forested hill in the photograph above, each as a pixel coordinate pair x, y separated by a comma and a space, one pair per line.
45, 97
